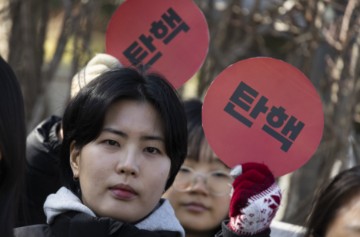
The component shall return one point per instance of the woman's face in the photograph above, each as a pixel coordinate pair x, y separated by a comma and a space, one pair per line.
123, 172
347, 220
197, 208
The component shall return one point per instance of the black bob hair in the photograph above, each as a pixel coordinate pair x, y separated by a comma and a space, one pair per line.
12, 147
84, 116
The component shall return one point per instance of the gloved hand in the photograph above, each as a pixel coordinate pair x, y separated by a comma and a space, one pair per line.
255, 199
98, 64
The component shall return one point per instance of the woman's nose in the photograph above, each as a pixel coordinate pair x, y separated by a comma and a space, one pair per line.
128, 163
199, 184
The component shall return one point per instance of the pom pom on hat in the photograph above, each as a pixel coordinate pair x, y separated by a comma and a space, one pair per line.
98, 64
255, 199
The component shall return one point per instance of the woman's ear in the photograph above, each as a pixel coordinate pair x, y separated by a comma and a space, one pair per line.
75, 159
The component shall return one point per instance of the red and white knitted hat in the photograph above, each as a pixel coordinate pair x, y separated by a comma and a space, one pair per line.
255, 200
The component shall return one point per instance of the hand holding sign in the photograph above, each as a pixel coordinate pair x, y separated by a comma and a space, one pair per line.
169, 36
255, 200
263, 110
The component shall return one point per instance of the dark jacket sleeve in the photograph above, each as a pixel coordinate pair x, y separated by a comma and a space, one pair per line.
42, 169
226, 232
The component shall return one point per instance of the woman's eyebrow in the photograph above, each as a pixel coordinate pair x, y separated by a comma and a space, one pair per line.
157, 138
117, 132
122, 134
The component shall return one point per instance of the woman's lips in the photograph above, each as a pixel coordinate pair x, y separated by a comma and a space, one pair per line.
195, 207
123, 192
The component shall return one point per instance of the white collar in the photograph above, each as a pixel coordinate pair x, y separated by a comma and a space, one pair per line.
162, 218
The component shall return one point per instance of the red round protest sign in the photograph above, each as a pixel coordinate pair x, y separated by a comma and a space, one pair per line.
263, 110
170, 37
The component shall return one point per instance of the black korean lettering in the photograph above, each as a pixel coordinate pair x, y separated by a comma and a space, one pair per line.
135, 53
153, 60
147, 41
181, 27
242, 97
229, 108
260, 107
159, 29
286, 144
292, 127
172, 18
276, 117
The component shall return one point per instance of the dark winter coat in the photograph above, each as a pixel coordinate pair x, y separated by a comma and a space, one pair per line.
42, 170
76, 224
67, 216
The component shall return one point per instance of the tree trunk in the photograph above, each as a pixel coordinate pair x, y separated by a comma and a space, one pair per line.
26, 47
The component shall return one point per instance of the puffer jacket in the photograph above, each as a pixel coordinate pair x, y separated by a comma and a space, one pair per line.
76, 224
67, 216
42, 170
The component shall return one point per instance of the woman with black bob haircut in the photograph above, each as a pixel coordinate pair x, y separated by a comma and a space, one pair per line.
125, 139
12, 147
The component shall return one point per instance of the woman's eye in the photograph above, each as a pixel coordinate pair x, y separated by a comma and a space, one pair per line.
184, 169
111, 143
153, 150
220, 175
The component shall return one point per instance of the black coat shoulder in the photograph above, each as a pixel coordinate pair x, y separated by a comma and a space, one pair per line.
43, 144
42, 175
40, 230
74, 224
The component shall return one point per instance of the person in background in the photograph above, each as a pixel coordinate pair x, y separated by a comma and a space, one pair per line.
254, 202
43, 147
124, 140
336, 208
12, 147
202, 191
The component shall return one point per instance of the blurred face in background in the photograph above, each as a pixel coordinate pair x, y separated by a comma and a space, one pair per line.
200, 194
346, 222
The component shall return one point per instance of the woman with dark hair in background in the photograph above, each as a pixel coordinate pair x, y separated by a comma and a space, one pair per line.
336, 209
12, 147
200, 206
124, 140
211, 200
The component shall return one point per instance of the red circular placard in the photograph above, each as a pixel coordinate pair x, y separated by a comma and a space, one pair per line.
169, 36
263, 110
